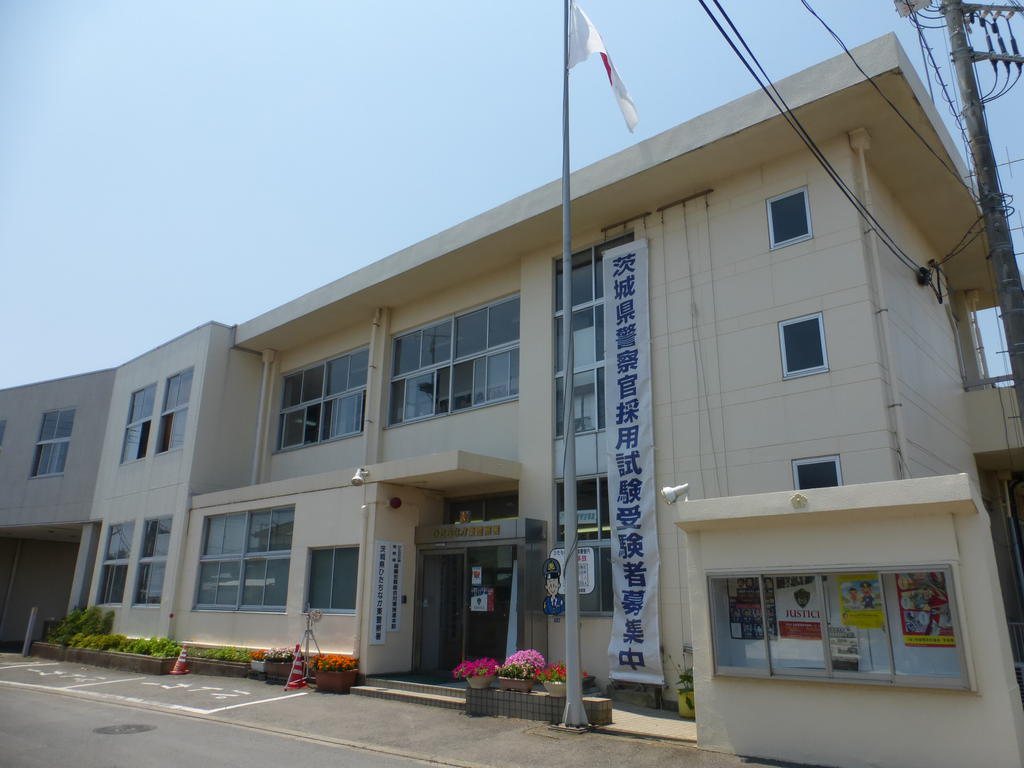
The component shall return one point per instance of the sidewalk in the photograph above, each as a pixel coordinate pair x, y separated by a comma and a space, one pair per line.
441, 736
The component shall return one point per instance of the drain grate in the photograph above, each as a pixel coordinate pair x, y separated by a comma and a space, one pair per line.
121, 730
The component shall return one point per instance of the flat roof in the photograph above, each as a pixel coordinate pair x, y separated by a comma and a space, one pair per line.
831, 98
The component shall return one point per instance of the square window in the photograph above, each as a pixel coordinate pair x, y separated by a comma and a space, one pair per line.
803, 346
820, 472
333, 574
789, 218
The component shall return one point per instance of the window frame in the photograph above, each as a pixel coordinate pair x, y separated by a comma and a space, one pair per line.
244, 557
322, 401
170, 415
794, 374
334, 563
112, 564
443, 372
42, 443
144, 423
829, 674
146, 563
771, 223
600, 545
834, 459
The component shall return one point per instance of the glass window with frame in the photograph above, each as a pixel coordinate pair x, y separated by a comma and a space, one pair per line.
802, 343
324, 401
789, 218
245, 559
140, 417
51, 452
480, 510
115, 563
459, 363
893, 626
587, 338
817, 472
594, 530
174, 416
149, 579
333, 576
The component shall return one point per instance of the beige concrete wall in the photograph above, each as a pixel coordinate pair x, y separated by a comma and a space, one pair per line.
27, 500
846, 723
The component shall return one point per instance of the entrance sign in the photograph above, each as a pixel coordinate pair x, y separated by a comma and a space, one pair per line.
380, 581
387, 589
585, 560
396, 552
634, 650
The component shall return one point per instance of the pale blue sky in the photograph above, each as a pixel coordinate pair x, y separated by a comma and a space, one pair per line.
163, 164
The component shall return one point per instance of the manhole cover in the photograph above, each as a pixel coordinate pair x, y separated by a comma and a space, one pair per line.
120, 730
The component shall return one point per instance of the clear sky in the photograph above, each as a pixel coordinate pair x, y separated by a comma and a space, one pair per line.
169, 162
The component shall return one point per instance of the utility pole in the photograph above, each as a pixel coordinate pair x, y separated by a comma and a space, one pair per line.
993, 207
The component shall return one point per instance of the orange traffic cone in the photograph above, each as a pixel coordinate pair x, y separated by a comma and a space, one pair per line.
296, 679
181, 665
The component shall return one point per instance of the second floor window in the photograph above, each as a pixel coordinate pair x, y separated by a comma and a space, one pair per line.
140, 416
324, 401
175, 413
459, 363
54, 438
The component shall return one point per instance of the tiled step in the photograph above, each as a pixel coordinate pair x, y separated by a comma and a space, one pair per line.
401, 685
411, 697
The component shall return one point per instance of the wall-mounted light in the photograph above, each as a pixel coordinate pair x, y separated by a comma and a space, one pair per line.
360, 476
672, 492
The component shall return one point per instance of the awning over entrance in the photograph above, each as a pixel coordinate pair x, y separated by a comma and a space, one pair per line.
448, 472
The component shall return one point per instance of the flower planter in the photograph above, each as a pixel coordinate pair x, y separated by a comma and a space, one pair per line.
257, 666
555, 688
512, 684
480, 681
686, 708
219, 667
277, 670
129, 662
335, 682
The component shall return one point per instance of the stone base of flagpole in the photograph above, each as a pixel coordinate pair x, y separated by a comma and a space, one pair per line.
563, 728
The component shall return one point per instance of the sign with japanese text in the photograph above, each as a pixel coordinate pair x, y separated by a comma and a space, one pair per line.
378, 604
634, 649
925, 615
396, 553
586, 560
860, 600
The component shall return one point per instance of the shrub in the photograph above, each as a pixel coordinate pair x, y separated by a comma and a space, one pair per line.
101, 642
91, 621
159, 647
221, 653
334, 662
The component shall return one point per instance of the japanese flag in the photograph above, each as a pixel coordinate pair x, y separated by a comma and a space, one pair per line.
584, 39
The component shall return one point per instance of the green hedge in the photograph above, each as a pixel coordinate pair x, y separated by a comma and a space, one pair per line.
91, 621
221, 653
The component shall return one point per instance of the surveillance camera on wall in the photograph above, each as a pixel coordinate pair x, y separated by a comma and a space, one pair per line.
671, 493
360, 476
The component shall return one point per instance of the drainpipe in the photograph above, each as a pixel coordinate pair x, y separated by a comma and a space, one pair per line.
257, 447
860, 142
374, 415
362, 583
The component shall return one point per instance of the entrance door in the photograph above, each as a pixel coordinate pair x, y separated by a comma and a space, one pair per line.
442, 611
490, 599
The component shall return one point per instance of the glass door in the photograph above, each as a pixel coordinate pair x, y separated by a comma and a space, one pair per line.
442, 613
489, 573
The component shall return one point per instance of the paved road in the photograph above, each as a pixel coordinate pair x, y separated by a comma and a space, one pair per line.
49, 712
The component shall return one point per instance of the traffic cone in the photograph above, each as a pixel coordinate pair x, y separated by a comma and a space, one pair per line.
296, 679
181, 665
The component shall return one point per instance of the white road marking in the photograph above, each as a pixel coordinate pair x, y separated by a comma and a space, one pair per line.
19, 666
261, 701
105, 682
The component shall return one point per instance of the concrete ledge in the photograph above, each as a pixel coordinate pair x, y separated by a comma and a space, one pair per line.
494, 702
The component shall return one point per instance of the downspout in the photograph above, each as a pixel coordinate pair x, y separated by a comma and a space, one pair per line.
860, 141
257, 447
362, 583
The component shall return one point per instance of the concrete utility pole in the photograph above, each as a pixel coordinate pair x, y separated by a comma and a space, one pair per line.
1000, 244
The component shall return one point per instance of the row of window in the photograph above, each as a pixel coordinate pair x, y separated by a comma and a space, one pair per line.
173, 417
149, 578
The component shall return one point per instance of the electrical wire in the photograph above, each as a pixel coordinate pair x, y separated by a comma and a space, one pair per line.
780, 104
952, 170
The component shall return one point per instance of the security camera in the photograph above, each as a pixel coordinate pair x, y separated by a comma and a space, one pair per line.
360, 476
671, 493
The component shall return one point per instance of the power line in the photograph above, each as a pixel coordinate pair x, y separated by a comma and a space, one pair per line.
780, 104
888, 101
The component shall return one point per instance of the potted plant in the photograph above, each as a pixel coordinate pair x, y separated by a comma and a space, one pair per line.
277, 663
519, 671
257, 661
553, 679
684, 686
478, 673
335, 673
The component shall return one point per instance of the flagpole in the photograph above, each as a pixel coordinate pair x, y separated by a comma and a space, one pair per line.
575, 716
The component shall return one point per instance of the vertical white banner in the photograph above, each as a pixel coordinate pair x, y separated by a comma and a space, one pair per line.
378, 604
634, 650
395, 555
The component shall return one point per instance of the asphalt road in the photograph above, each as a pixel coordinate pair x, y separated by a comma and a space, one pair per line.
43, 730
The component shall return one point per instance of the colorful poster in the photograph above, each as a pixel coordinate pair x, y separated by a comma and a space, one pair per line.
797, 604
925, 617
860, 600
481, 600
634, 649
745, 609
